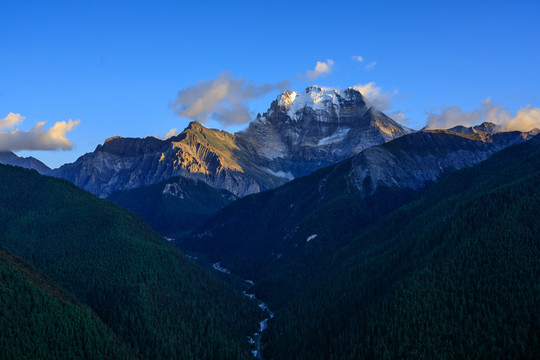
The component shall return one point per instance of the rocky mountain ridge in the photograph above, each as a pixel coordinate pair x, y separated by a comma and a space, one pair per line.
10, 158
297, 135
198, 153
415, 160
483, 128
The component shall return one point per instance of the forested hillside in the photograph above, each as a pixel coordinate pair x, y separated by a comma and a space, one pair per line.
154, 298
454, 274
175, 206
39, 320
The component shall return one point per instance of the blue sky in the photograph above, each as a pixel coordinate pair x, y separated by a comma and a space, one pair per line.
118, 66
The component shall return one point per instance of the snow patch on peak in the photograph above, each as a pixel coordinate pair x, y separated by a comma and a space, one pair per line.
281, 174
286, 98
316, 88
316, 98
174, 189
217, 266
287, 175
338, 136
316, 95
311, 237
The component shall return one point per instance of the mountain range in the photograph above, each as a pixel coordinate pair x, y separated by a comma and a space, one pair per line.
297, 135
365, 238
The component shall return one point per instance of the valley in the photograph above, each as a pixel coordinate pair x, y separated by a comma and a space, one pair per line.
262, 180
353, 229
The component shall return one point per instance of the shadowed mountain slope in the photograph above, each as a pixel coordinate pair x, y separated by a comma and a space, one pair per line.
453, 274
174, 206
258, 233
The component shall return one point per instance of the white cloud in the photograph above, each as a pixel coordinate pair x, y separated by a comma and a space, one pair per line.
371, 65
358, 58
399, 116
170, 134
223, 99
11, 120
453, 116
322, 68
525, 119
38, 138
374, 96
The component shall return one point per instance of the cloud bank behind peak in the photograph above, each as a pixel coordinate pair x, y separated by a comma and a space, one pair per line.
525, 119
223, 99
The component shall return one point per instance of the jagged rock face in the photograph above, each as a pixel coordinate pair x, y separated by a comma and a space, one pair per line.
9, 158
302, 132
487, 128
417, 160
197, 153
484, 128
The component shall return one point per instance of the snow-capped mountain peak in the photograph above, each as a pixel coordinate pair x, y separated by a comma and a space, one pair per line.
303, 131
314, 97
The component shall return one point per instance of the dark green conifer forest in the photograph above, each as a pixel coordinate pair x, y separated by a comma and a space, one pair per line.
453, 274
40, 320
154, 299
175, 206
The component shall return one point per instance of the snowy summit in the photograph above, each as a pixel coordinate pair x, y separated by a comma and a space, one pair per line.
314, 97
